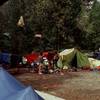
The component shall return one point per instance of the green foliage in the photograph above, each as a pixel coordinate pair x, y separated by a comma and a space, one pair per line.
95, 23
89, 23
95, 17
56, 20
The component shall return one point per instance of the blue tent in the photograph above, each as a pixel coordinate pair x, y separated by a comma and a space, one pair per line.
5, 58
25, 94
11, 89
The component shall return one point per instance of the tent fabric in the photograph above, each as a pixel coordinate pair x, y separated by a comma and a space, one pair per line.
66, 51
82, 60
8, 58
5, 58
31, 57
8, 84
14, 90
25, 94
48, 96
67, 58
94, 63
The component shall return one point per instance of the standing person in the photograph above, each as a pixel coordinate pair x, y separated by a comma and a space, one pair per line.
50, 59
40, 61
55, 61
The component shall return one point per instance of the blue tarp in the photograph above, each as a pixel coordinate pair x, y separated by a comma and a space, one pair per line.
11, 89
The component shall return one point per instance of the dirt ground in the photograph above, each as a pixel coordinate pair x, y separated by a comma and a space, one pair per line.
83, 85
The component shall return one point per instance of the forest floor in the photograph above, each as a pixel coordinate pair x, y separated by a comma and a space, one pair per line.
83, 85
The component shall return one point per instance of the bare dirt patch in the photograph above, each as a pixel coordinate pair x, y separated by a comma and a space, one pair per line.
71, 86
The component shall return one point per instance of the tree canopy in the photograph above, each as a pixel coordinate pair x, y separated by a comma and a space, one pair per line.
61, 23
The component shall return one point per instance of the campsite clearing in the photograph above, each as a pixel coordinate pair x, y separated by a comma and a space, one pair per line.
72, 86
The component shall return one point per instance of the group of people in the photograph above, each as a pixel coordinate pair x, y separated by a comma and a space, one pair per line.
43, 62
47, 62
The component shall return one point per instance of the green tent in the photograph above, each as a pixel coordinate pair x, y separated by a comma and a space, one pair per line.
73, 57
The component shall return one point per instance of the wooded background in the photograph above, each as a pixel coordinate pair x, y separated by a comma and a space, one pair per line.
61, 23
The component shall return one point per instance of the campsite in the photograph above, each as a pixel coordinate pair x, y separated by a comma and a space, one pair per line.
81, 82
49, 49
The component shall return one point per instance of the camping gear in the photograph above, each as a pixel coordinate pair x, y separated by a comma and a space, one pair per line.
5, 58
14, 90
73, 58
31, 57
95, 64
